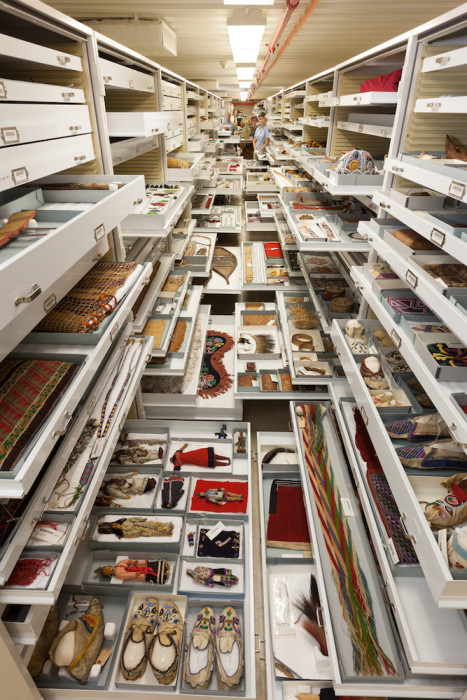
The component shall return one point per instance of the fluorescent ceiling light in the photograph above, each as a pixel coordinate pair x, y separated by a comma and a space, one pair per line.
248, 2
245, 29
244, 83
243, 95
245, 72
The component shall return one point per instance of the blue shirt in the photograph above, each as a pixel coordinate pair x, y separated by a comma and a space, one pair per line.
261, 134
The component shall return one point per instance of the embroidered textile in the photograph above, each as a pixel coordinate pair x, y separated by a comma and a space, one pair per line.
382, 494
448, 356
29, 390
368, 656
214, 379
407, 305
226, 545
86, 305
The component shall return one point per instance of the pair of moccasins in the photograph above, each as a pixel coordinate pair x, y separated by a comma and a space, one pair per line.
224, 643
154, 636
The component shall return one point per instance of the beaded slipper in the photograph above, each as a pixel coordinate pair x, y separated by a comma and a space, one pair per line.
372, 373
164, 651
134, 658
452, 508
200, 650
425, 427
229, 649
77, 646
439, 455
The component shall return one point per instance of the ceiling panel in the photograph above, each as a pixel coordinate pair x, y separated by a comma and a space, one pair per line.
334, 31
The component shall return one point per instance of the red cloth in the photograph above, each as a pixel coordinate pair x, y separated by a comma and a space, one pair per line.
288, 523
383, 83
273, 250
201, 504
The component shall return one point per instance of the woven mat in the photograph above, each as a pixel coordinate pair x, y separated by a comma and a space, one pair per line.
178, 337
156, 329
259, 320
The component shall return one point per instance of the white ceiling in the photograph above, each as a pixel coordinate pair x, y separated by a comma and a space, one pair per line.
334, 31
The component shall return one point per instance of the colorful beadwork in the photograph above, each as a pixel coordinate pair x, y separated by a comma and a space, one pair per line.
214, 379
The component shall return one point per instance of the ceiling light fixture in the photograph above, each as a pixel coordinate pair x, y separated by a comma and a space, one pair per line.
248, 2
243, 95
245, 72
245, 29
244, 83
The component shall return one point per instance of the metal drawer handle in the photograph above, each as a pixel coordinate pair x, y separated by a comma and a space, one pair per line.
457, 189
67, 95
443, 59
396, 338
75, 128
35, 291
79, 158
137, 201
411, 278
438, 237
99, 232
63, 59
364, 414
131, 83
107, 78
396, 169
57, 433
402, 519
154, 131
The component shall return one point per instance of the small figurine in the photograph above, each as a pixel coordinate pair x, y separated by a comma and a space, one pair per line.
222, 434
241, 443
220, 496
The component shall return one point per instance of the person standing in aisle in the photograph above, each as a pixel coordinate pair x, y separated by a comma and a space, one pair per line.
228, 121
261, 137
248, 133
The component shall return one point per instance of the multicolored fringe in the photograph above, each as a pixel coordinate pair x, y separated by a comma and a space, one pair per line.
368, 657
214, 379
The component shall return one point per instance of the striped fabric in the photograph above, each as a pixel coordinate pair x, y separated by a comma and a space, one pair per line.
369, 658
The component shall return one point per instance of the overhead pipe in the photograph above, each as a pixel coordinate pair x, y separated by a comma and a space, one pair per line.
262, 75
271, 48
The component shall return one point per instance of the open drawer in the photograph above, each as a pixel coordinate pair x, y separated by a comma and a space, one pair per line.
448, 586
255, 220
75, 220
315, 460
46, 588
157, 210
184, 167
118, 77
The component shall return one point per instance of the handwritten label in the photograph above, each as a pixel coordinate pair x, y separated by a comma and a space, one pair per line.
47, 534
216, 530
347, 507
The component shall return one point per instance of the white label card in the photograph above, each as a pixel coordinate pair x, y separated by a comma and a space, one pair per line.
392, 551
47, 534
442, 544
347, 507
214, 531
271, 322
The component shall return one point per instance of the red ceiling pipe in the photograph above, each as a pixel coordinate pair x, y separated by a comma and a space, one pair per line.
291, 6
295, 30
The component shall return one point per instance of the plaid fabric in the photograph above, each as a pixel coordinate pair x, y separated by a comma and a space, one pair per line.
86, 305
29, 389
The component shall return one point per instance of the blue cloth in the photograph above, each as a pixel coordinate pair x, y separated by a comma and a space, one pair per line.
261, 134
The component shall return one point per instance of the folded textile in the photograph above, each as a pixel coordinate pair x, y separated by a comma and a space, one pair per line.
407, 305
287, 523
95, 296
225, 545
29, 390
273, 250
383, 83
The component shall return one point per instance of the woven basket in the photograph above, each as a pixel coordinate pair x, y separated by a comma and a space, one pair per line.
303, 317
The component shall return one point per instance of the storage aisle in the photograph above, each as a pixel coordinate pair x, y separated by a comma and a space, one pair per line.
233, 393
